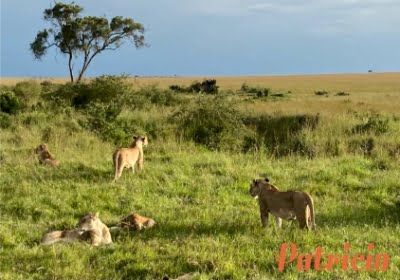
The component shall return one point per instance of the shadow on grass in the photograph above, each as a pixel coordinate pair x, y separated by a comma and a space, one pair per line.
80, 172
386, 215
175, 231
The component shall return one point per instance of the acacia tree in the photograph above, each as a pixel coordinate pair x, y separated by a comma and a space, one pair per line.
76, 36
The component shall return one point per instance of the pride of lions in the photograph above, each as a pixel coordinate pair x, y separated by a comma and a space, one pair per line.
288, 205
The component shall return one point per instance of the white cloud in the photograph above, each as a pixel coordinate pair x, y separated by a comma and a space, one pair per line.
317, 16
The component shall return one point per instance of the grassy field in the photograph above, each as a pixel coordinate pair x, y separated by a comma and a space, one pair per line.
207, 223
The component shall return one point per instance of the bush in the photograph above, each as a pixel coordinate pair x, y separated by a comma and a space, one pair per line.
9, 103
103, 89
5, 121
258, 91
178, 88
365, 146
207, 86
376, 124
282, 134
151, 95
28, 92
321, 92
214, 123
342, 93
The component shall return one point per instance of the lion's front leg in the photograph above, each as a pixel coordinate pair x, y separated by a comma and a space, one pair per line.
264, 216
278, 222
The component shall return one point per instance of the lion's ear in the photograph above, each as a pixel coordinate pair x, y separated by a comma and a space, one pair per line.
266, 179
96, 215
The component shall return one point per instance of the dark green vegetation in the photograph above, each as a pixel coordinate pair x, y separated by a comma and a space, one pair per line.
203, 152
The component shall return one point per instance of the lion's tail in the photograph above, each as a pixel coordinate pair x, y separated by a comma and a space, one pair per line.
52, 237
310, 203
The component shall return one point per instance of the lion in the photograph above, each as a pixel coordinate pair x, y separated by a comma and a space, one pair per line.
127, 157
137, 222
288, 205
90, 229
45, 157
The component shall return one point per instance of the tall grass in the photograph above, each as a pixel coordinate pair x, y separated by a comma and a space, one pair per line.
196, 191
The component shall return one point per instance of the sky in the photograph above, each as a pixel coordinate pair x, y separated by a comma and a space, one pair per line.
220, 37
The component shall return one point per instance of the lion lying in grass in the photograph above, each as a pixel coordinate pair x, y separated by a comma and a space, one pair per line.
288, 205
45, 157
89, 229
134, 221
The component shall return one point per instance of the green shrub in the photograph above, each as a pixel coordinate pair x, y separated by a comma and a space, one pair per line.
178, 88
28, 92
103, 89
9, 103
364, 146
283, 134
215, 123
151, 95
207, 87
321, 92
342, 93
257, 91
376, 124
5, 121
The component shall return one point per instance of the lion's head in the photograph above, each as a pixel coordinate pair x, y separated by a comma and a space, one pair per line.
257, 185
89, 222
41, 148
140, 140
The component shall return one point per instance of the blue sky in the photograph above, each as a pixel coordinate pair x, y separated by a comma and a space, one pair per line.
221, 37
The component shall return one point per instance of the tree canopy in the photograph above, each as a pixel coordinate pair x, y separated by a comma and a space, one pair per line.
76, 36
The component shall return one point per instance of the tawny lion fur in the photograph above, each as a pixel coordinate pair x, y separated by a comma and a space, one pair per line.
283, 205
45, 157
89, 229
128, 157
137, 222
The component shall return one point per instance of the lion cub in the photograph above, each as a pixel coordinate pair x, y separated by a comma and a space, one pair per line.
44, 156
127, 157
90, 228
137, 222
134, 221
288, 205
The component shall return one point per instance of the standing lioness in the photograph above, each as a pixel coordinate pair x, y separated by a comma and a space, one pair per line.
127, 157
283, 205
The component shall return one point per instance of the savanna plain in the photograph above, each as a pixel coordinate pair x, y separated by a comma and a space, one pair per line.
336, 137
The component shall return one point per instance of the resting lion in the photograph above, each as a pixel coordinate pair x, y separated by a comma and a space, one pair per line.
90, 229
137, 222
134, 221
45, 157
127, 157
288, 205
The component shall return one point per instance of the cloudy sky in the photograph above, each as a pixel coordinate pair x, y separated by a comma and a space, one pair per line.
221, 37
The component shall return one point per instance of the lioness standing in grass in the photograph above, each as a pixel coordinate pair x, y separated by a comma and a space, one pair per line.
288, 205
127, 157
45, 157
90, 228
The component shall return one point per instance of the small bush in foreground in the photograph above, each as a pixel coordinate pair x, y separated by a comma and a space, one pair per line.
376, 124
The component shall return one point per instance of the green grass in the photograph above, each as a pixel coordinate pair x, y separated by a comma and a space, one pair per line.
207, 222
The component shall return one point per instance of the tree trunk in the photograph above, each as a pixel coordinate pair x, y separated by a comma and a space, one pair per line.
71, 73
